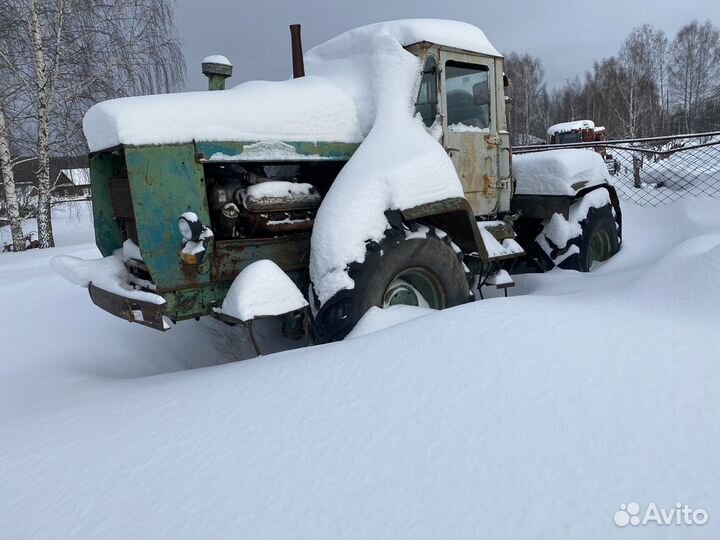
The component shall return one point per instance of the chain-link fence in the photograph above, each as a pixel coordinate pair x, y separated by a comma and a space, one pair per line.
657, 170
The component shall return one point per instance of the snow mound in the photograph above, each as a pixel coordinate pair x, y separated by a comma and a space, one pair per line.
262, 289
686, 278
399, 164
376, 319
558, 172
306, 109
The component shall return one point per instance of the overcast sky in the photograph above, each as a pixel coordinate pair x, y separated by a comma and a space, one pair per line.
566, 35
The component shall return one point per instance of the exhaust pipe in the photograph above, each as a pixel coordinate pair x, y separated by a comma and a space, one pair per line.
297, 52
216, 68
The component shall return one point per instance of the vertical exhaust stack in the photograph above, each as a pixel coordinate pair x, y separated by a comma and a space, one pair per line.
297, 52
216, 68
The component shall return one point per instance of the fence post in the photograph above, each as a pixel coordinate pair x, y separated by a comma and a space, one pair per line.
637, 163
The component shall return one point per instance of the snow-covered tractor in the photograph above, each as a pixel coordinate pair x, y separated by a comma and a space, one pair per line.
382, 176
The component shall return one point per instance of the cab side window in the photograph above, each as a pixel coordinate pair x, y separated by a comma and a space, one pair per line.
426, 103
468, 95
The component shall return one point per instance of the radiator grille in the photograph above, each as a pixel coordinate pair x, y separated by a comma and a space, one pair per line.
123, 207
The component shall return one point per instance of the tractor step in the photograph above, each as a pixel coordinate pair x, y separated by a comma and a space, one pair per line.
499, 240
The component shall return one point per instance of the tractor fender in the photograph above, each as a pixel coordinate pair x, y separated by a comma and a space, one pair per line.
454, 216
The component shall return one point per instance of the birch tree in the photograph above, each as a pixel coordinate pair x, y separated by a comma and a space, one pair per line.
695, 69
11, 201
527, 91
10, 119
73, 53
638, 60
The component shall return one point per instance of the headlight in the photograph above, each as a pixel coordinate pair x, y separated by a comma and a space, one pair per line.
190, 226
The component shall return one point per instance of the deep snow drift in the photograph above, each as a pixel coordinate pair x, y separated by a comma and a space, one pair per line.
532, 416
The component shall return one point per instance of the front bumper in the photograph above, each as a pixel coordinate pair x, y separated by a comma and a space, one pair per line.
130, 309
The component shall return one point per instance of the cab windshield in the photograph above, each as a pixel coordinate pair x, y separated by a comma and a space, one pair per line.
568, 138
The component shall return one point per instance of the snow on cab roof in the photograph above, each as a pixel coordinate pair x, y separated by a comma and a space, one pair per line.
329, 104
564, 127
456, 34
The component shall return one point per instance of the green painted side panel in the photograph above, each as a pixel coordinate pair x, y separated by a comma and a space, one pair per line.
108, 236
165, 182
331, 151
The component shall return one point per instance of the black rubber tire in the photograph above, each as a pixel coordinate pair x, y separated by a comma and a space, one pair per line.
599, 226
384, 262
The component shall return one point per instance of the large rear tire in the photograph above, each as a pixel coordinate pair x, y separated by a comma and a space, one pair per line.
599, 239
422, 268
598, 242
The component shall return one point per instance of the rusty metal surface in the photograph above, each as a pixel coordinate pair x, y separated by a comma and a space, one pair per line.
476, 155
297, 52
290, 253
272, 223
500, 230
216, 74
455, 217
152, 314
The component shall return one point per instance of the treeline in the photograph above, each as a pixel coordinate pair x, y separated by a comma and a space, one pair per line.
653, 86
57, 58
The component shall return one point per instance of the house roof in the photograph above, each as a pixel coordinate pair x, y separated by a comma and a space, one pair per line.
79, 177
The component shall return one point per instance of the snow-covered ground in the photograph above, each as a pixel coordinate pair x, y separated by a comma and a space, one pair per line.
691, 172
534, 416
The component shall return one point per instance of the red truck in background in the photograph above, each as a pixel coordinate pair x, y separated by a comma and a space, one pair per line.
583, 131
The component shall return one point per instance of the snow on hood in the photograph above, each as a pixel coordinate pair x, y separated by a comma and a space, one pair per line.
555, 172
307, 109
399, 165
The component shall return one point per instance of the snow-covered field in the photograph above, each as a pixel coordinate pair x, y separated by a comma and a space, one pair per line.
534, 416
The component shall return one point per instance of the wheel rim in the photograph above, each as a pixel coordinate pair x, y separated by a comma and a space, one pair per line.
599, 249
415, 287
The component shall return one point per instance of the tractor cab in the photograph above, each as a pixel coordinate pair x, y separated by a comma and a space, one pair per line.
462, 92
